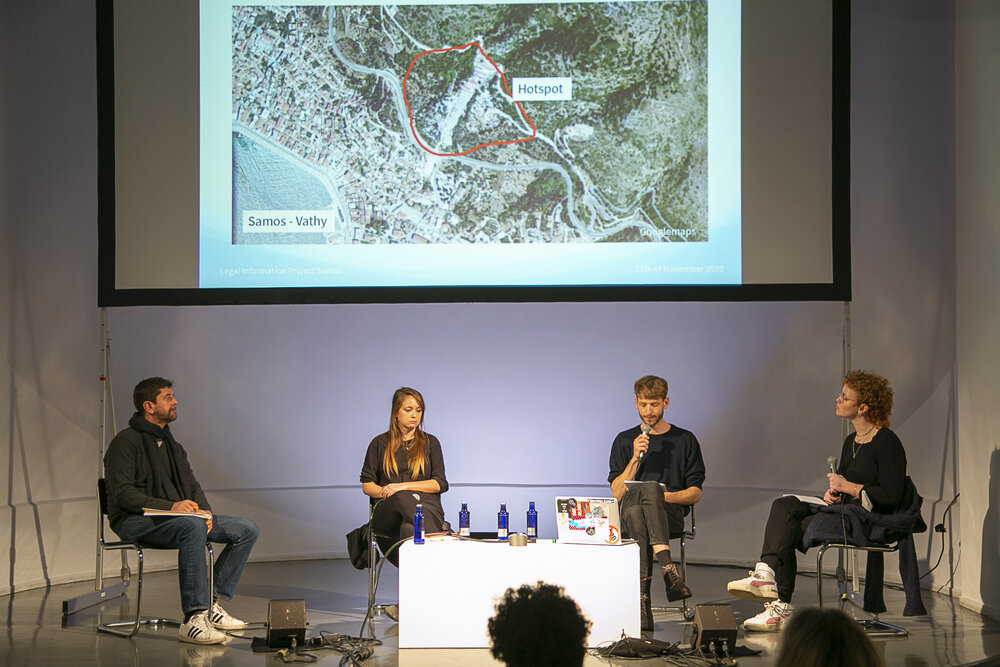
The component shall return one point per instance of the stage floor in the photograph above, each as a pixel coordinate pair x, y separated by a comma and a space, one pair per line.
336, 596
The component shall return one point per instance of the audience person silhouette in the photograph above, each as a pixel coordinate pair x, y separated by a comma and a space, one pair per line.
825, 638
538, 626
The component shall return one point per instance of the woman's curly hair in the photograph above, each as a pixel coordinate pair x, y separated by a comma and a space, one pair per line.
538, 626
873, 391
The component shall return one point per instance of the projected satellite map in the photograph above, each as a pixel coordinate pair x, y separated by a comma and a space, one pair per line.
451, 124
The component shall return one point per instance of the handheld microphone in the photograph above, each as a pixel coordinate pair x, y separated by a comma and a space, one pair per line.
645, 428
831, 462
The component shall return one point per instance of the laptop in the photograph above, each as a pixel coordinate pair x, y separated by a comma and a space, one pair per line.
588, 520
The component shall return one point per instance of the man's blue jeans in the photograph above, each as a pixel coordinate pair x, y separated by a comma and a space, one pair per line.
188, 536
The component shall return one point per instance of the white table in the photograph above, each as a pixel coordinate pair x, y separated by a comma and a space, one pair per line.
448, 588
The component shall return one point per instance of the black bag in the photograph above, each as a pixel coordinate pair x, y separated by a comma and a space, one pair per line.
637, 647
358, 546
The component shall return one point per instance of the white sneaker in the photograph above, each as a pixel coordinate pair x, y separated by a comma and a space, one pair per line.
197, 630
772, 619
221, 619
760, 585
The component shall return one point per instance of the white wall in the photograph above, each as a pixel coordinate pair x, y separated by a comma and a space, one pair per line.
977, 102
48, 397
902, 236
278, 403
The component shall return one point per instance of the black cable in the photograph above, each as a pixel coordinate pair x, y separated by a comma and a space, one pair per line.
690, 657
251, 625
941, 529
297, 655
938, 560
355, 649
841, 571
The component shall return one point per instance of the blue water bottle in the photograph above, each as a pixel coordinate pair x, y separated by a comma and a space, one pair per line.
418, 525
503, 520
463, 520
532, 524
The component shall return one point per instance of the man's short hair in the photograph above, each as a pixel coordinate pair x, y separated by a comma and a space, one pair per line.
538, 626
650, 386
148, 390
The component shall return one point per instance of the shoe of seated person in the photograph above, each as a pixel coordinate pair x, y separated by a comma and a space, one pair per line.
198, 630
645, 613
223, 620
392, 611
760, 585
772, 619
676, 588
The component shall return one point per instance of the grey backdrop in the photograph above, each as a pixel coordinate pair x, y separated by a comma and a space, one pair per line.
278, 403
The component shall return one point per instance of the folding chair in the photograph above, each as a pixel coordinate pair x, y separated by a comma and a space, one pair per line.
130, 628
849, 586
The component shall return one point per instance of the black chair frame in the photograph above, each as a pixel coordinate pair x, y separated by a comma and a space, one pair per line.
850, 585
131, 627
684, 536
373, 572
375, 568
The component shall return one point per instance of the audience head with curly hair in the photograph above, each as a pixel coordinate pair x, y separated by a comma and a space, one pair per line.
817, 637
538, 626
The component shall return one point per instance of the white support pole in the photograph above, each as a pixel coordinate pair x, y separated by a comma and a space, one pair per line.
102, 398
105, 403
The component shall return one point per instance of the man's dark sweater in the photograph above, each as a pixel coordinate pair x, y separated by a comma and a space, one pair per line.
130, 472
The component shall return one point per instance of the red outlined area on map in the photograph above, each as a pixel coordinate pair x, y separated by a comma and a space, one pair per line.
503, 78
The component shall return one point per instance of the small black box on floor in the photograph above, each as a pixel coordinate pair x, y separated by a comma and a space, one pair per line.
286, 619
714, 623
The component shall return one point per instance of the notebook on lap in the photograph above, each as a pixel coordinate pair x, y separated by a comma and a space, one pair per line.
588, 520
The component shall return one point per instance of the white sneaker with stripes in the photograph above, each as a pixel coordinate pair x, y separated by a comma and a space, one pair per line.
222, 620
198, 630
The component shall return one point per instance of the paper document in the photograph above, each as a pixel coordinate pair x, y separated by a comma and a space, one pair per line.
632, 482
149, 511
812, 500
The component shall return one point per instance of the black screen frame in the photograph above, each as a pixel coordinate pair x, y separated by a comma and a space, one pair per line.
838, 289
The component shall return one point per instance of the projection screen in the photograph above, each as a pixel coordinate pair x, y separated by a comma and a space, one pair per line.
253, 152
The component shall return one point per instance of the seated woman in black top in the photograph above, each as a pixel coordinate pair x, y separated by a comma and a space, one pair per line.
404, 467
872, 472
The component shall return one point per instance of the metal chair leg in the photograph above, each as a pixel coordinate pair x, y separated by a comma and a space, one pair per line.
130, 628
373, 607
683, 607
848, 588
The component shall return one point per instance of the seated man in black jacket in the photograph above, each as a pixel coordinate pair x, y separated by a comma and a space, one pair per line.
146, 468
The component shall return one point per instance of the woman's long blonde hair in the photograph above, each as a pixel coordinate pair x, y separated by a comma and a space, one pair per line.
415, 456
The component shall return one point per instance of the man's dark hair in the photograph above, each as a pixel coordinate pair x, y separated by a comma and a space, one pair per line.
538, 626
148, 390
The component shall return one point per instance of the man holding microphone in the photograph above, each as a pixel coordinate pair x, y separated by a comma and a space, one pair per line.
664, 461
